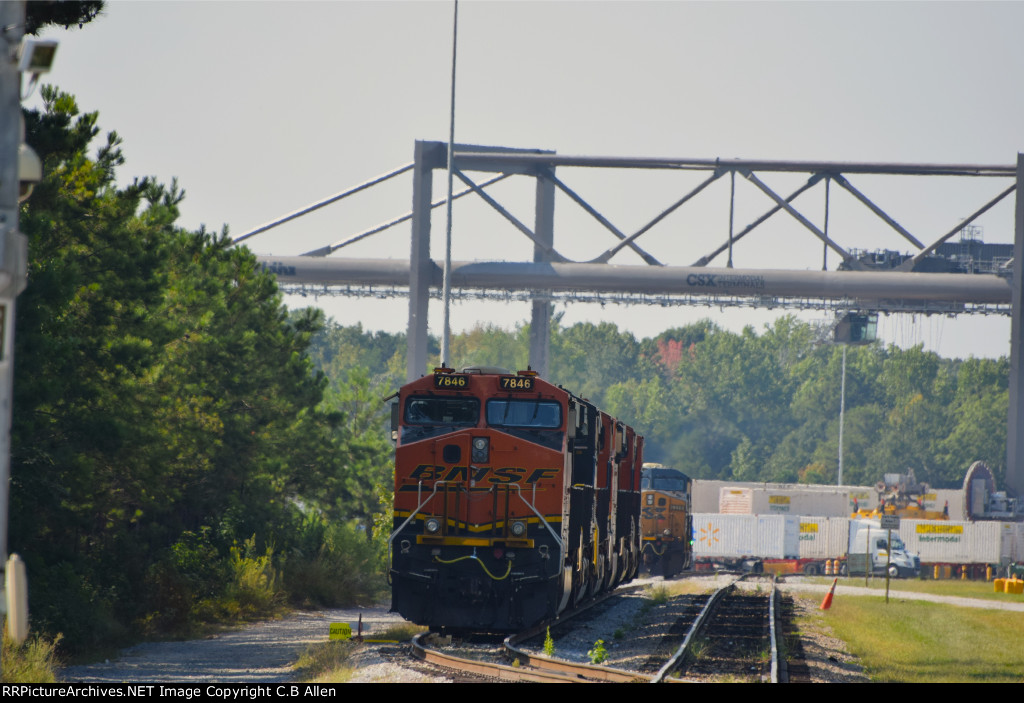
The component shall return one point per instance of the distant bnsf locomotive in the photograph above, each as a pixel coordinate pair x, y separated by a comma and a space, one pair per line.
666, 521
514, 498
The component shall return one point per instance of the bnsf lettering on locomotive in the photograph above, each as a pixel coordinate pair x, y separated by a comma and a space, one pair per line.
541, 474
508, 474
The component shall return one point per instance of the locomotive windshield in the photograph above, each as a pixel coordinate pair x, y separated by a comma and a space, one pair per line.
536, 421
524, 413
664, 480
431, 416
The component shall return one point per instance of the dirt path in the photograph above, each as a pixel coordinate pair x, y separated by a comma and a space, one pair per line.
259, 653
843, 589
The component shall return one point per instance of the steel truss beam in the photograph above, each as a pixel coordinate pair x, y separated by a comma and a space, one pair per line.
550, 275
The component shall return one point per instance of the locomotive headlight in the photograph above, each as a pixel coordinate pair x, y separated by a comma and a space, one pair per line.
481, 449
518, 529
432, 525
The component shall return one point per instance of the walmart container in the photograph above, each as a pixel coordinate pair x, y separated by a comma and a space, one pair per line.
757, 536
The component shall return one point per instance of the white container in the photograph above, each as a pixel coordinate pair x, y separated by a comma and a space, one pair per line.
736, 501
779, 498
958, 542
760, 536
801, 501
823, 538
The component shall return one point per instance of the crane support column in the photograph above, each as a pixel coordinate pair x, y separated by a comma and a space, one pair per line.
1015, 431
428, 156
540, 319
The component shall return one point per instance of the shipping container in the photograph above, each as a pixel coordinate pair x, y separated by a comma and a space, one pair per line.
737, 536
960, 542
736, 501
823, 538
806, 499
823, 503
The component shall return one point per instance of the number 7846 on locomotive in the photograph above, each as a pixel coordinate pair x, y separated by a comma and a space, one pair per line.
514, 499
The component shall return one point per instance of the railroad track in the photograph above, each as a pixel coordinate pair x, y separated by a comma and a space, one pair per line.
731, 634
736, 637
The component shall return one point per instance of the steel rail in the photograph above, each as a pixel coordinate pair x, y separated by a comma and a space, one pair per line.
532, 667
779, 673
577, 669
422, 650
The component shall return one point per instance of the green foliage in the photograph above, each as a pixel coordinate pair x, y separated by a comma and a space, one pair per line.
598, 655
334, 565
34, 661
66, 14
165, 409
254, 585
549, 644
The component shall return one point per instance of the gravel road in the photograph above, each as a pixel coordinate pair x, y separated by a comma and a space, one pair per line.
259, 653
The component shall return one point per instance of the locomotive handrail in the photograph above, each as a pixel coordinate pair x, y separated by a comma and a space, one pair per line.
558, 540
401, 527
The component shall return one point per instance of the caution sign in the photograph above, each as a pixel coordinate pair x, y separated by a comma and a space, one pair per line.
341, 631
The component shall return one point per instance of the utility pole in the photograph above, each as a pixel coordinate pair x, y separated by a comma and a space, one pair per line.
13, 245
842, 411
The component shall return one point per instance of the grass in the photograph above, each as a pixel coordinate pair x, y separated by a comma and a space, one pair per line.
658, 595
921, 642
328, 662
945, 587
32, 662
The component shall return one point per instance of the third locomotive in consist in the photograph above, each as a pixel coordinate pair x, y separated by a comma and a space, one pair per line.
514, 499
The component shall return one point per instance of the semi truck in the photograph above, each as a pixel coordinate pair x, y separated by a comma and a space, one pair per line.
792, 544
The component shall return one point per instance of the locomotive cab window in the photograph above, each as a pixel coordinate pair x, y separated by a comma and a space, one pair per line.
517, 412
430, 416
535, 420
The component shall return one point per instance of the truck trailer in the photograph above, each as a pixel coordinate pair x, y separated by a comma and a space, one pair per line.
792, 544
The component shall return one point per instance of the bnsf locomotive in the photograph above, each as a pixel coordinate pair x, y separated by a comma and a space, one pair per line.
666, 521
513, 499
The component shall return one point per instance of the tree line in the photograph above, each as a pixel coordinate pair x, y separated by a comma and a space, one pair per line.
759, 406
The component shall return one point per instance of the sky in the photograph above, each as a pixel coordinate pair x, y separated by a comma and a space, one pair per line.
261, 108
